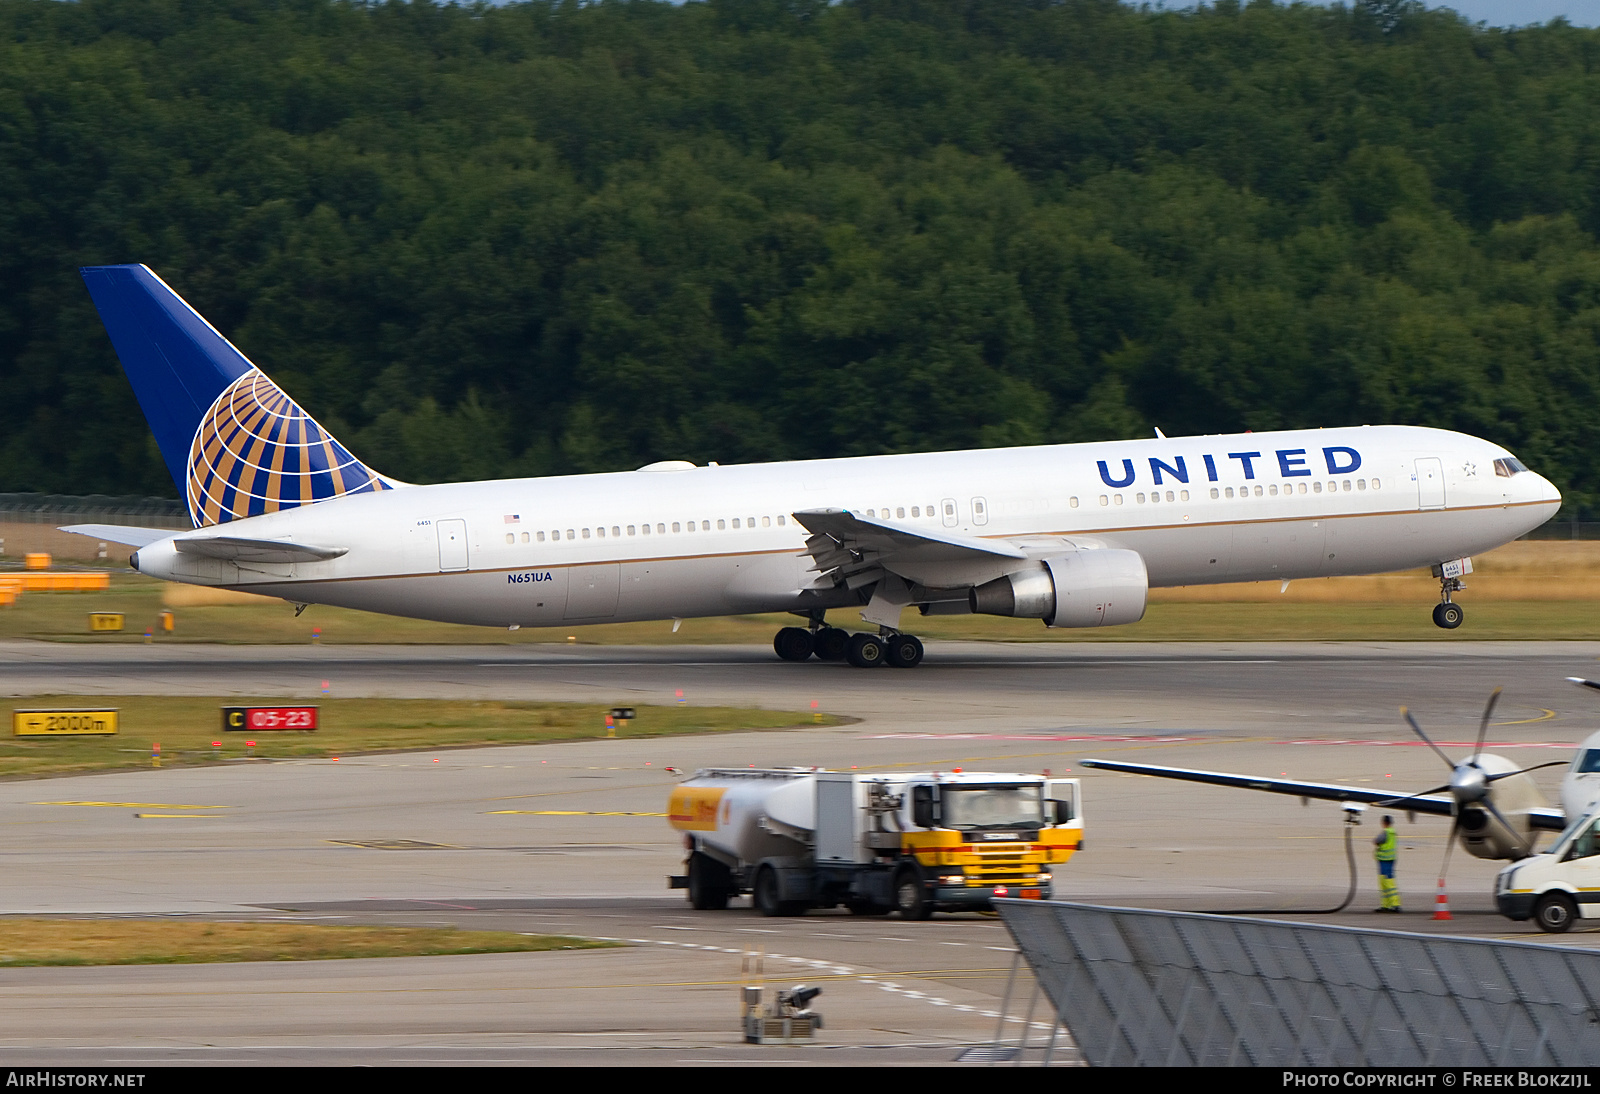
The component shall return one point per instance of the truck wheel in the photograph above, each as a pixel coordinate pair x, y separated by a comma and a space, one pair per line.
765, 895
1554, 913
910, 894
708, 883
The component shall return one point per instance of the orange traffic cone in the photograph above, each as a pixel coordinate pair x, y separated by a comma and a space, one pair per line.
1441, 904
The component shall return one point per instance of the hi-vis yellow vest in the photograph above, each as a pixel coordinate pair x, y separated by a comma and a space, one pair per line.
1385, 851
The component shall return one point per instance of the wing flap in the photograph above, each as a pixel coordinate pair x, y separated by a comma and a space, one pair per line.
884, 538
849, 549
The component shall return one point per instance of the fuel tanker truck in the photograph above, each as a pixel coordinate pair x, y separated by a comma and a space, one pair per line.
800, 838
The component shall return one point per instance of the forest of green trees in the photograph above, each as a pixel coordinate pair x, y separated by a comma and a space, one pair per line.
552, 237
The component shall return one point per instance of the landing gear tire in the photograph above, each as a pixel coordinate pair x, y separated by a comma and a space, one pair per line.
709, 883
1554, 913
765, 895
830, 644
794, 644
866, 651
910, 894
904, 651
1448, 616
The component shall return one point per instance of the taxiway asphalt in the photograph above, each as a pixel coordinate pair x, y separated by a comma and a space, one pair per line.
517, 838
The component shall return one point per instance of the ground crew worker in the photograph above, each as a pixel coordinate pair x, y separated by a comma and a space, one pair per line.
1386, 845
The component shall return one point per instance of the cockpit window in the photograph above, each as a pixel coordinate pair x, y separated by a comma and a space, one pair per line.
1508, 466
1588, 762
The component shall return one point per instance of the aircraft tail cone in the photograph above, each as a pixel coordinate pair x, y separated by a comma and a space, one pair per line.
1441, 904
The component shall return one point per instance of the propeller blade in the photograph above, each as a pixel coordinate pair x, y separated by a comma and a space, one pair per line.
1412, 722
1483, 726
1488, 804
1582, 683
1525, 770
1413, 797
1449, 844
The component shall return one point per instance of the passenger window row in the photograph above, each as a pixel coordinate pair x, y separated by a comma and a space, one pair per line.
1264, 490
660, 529
899, 512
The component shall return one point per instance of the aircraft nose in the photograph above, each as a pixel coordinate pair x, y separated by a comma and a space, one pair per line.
1542, 492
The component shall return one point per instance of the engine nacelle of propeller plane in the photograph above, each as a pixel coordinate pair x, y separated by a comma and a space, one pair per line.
1482, 836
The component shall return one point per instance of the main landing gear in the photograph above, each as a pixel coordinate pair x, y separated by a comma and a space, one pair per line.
865, 651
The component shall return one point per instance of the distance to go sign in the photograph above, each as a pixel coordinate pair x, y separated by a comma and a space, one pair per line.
267, 719
63, 723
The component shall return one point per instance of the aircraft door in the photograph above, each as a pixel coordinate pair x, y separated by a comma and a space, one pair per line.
980, 511
452, 544
947, 509
1430, 483
592, 591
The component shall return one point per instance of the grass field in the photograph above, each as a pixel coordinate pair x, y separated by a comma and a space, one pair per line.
186, 727
174, 942
1525, 590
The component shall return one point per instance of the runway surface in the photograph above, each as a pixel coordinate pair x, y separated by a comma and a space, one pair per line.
508, 838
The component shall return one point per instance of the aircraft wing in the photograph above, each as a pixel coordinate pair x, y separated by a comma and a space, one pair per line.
239, 549
857, 549
1552, 820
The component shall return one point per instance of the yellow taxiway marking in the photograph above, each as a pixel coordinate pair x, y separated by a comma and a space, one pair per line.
136, 805
1544, 716
567, 813
175, 816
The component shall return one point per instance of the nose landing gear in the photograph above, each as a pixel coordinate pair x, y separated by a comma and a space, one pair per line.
1446, 614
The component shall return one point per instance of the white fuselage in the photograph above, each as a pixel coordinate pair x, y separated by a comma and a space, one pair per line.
699, 541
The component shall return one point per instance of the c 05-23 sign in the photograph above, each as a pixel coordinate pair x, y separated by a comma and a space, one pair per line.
63, 723
267, 719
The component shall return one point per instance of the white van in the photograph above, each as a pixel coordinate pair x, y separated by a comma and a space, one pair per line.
1559, 887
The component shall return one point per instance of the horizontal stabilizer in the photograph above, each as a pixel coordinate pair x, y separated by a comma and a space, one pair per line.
119, 533
238, 549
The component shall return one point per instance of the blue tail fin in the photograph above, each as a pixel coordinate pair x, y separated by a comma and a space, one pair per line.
236, 445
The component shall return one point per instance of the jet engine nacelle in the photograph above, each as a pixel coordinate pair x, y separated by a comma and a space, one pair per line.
1081, 589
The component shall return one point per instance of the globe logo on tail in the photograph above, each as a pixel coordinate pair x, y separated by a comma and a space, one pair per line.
256, 452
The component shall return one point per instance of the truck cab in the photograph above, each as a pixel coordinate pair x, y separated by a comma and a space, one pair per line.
1559, 887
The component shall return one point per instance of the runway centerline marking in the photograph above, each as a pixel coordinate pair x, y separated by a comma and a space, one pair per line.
564, 813
136, 805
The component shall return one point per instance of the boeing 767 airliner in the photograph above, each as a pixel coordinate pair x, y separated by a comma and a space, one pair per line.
1074, 535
